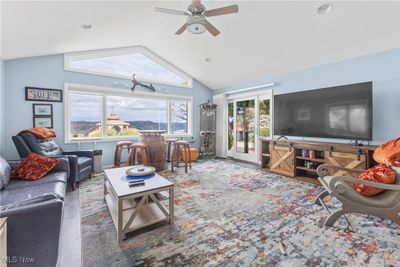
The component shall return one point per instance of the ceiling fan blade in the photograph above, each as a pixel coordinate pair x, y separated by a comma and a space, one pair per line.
222, 11
181, 29
211, 29
196, 3
171, 11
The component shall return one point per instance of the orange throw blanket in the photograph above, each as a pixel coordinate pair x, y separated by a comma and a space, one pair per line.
41, 133
389, 153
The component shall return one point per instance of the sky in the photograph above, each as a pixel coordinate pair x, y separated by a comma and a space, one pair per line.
127, 65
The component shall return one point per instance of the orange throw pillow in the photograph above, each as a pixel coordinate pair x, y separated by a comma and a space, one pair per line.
379, 174
389, 153
34, 167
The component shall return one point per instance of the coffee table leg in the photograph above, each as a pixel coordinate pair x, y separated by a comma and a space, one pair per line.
119, 222
171, 206
105, 188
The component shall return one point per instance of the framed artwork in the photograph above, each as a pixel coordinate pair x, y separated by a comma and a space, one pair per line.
42, 109
43, 94
44, 122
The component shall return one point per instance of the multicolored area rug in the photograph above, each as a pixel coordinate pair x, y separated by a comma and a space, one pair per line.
228, 214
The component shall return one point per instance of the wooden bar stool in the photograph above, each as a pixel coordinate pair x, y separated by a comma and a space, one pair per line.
170, 142
181, 147
121, 145
142, 151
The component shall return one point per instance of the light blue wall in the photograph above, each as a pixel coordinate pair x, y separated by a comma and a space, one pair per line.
48, 72
2, 103
382, 68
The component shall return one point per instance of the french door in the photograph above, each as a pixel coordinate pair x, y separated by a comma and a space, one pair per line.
248, 119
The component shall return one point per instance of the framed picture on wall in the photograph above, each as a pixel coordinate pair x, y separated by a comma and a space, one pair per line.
43, 122
42, 109
43, 94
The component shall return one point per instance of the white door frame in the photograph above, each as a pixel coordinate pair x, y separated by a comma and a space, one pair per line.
257, 95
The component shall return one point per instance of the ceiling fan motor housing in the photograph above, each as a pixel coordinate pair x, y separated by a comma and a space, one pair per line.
196, 10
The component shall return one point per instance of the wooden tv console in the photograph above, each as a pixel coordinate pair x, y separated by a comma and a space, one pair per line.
292, 157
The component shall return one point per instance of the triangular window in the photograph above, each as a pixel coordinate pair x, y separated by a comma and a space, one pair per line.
123, 63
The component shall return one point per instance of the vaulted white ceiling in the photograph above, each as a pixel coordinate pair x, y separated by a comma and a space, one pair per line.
264, 38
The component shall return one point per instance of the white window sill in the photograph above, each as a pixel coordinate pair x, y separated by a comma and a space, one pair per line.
122, 138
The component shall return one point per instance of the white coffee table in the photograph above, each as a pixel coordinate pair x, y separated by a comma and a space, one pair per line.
133, 208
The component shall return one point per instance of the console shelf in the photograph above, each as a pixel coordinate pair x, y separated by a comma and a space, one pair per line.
300, 159
312, 159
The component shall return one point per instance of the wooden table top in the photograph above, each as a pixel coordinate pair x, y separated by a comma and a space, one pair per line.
118, 180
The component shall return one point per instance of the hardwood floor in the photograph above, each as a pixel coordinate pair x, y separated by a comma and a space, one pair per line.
70, 245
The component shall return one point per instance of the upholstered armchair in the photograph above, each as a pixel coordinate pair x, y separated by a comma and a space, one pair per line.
385, 205
80, 162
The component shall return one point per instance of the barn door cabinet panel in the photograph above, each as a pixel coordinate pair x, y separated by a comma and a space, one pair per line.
346, 160
282, 160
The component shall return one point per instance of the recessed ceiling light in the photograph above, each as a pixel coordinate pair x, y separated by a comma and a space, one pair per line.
86, 26
325, 9
208, 60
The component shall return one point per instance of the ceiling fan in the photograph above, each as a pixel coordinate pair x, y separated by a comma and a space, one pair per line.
196, 22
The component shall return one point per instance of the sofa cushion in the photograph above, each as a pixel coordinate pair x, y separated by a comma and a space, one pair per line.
28, 201
34, 167
5, 173
49, 178
22, 194
84, 162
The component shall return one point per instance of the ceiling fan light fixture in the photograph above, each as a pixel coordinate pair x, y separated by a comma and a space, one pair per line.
196, 28
196, 24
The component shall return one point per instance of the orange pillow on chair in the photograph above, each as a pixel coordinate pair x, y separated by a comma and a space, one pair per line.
379, 174
34, 167
389, 153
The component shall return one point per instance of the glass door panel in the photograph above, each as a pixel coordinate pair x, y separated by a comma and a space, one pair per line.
245, 126
231, 127
265, 118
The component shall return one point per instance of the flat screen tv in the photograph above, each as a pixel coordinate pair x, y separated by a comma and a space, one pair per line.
336, 112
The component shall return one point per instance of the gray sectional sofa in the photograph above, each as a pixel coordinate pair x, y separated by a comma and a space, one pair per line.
34, 211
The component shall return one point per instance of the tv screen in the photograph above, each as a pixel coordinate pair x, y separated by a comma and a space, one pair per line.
335, 112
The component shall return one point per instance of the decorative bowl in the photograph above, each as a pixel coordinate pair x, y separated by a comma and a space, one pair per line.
140, 170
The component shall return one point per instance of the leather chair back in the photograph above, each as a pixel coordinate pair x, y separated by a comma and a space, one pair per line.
46, 148
22, 148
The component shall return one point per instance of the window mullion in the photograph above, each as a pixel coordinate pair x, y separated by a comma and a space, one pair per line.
104, 117
169, 123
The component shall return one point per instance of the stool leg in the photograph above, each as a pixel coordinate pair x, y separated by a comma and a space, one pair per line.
190, 157
173, 158
146, 157
169, 152
133, 159
117, 157
129, 159
185, 151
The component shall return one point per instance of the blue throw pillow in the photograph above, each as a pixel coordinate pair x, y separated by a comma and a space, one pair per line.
5, 173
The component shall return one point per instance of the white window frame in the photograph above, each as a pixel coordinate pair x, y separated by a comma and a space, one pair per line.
109, 91
124, 51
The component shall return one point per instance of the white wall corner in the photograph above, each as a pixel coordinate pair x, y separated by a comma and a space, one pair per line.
221, 130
